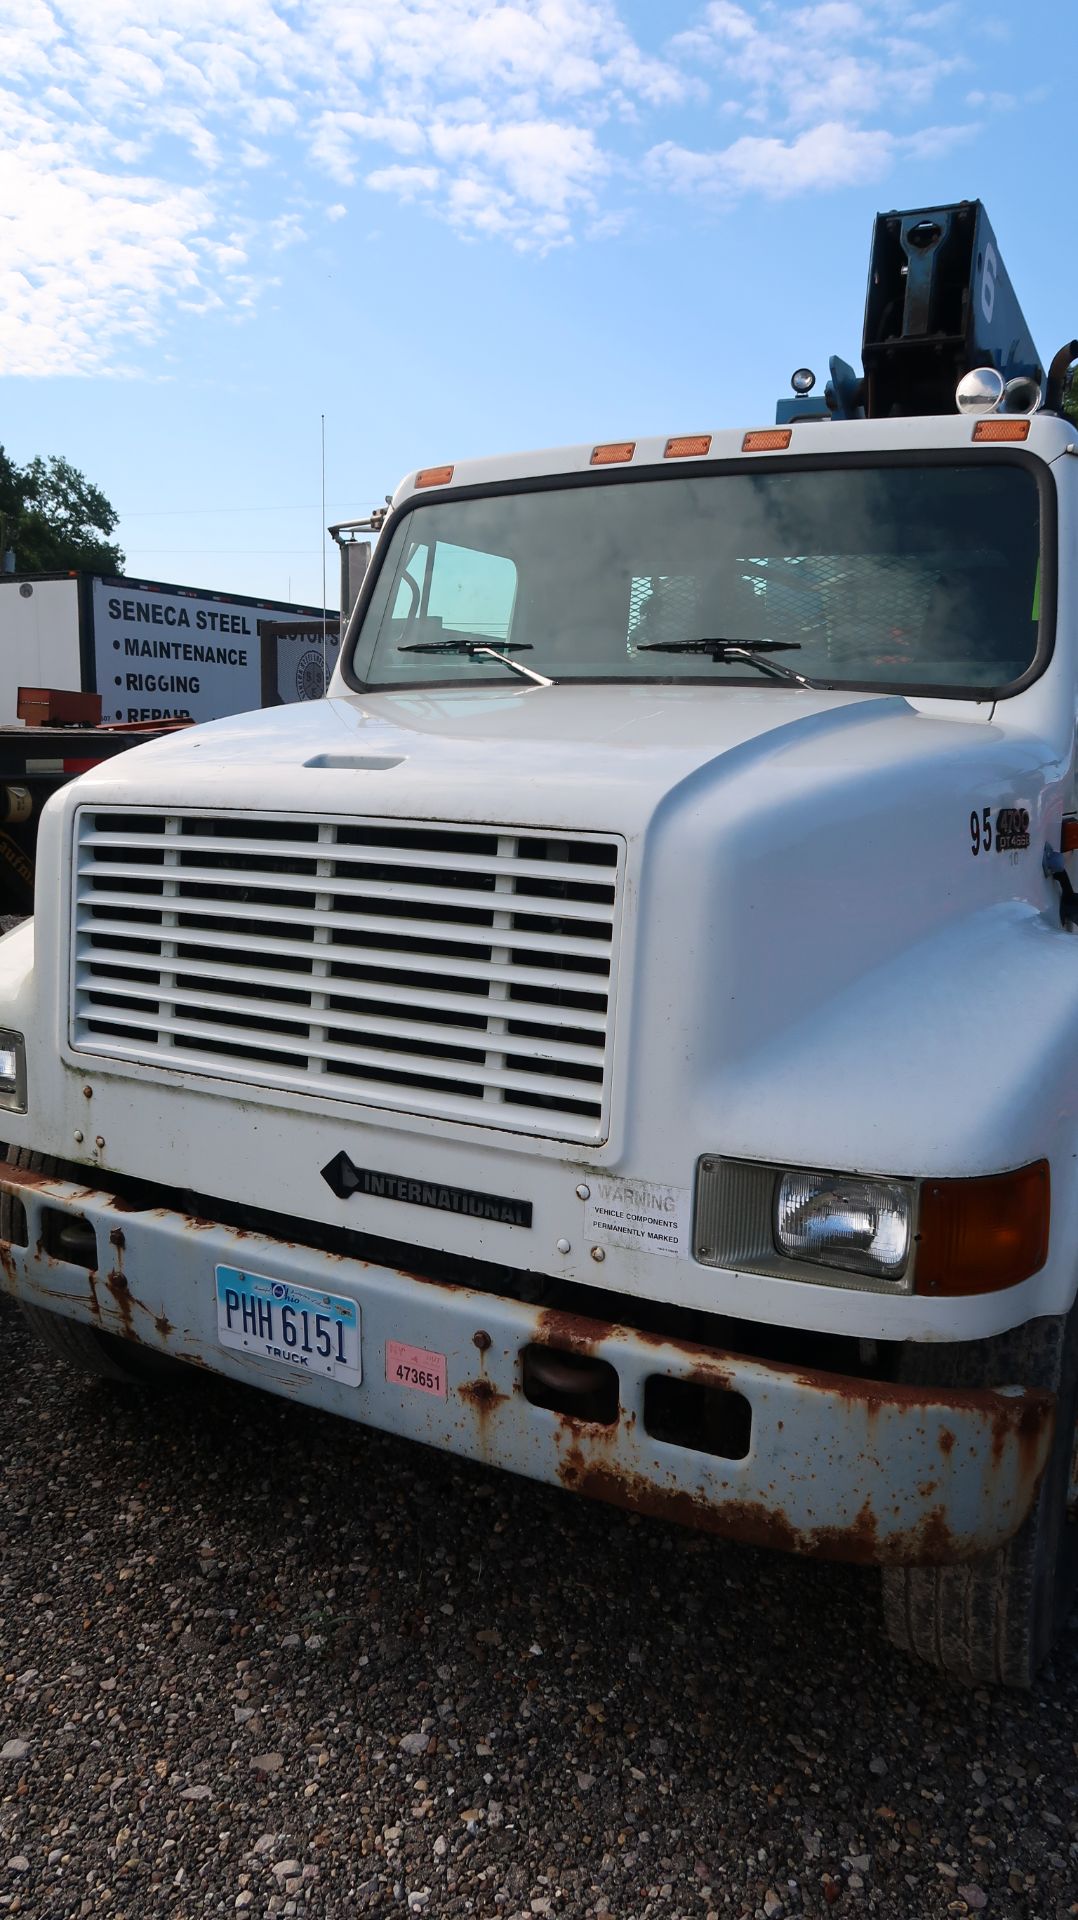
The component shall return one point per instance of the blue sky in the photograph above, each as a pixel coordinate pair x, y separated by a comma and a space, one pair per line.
462, 226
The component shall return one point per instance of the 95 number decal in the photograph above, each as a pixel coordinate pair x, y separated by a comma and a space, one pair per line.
1004, 828
980, 830
416, 1368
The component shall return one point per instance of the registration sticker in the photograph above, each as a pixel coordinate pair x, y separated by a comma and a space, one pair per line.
417, 1368
297, 1327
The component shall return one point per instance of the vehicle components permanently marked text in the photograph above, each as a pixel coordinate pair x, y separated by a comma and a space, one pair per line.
640, 1214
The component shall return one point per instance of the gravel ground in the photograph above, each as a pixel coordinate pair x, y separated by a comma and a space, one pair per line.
255, 1660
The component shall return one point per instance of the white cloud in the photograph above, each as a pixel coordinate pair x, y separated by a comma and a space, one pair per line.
125, 255
833, 88
286, 230
153, 152
805, 66
408, 183
829, 156
544, 164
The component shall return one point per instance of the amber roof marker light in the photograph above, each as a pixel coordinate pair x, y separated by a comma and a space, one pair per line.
767, 440
612, 452
434, 477
996, 429
690, 446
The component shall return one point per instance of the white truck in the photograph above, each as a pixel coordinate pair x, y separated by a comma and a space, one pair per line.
598, 1043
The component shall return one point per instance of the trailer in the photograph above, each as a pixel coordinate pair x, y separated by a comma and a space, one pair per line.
91, 664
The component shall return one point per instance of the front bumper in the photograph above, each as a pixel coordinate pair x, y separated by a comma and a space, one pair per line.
837, 1467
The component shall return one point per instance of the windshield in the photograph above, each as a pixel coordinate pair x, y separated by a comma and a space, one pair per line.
924, 577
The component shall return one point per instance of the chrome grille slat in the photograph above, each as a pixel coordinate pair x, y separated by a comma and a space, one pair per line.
448, 970
461, 934
433, 1067
350, 889
471, 1038
399, 961
385, 856
114, 977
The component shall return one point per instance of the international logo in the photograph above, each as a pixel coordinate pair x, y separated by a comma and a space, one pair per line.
347, 1180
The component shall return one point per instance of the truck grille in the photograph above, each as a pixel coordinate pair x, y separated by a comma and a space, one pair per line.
455, 971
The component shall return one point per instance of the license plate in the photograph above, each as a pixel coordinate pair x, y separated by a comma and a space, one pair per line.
297, 1327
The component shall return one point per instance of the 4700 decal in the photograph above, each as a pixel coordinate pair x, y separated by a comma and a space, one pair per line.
1008, 832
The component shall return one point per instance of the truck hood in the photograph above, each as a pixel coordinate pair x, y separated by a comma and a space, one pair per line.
565, 756
796, 837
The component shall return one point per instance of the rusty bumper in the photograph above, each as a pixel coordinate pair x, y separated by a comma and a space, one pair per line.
812, 1462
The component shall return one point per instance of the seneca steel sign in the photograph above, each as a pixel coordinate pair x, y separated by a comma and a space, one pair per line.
161, 653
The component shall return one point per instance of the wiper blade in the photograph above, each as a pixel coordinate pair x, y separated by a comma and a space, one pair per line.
754, 652
475, 651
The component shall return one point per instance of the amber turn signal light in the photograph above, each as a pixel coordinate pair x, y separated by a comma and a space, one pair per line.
434, 477
1068, 839
1001, 430
767, 440
978, 1236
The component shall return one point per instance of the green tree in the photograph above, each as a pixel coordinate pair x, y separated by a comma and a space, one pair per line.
12, 500
55, 518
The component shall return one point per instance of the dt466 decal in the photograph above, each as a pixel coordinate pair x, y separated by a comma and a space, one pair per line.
1007, 831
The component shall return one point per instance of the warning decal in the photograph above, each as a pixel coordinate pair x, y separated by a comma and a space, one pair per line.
640, 1214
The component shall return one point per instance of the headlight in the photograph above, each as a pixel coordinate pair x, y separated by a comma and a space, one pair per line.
837, 1229
12, 1072
877, 1232
842, 1220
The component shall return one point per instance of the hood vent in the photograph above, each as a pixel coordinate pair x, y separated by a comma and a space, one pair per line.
456, 971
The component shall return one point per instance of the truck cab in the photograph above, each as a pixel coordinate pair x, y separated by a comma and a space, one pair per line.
625, 1033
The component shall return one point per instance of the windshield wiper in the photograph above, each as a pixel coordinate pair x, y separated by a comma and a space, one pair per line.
753, 651
476, 652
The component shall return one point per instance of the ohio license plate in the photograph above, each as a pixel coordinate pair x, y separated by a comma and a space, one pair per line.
297, 1327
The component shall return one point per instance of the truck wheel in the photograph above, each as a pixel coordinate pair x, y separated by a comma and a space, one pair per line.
997, 1618
103, 1355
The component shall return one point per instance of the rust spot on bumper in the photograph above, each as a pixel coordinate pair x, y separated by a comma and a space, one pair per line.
752, 1523
482, 1396
116, 1282
573, 1332
12, 1178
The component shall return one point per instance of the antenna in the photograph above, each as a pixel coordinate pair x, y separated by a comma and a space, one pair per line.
325, 662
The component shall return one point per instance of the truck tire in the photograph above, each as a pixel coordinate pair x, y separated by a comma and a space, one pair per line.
996, 1618
102, 1355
